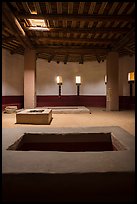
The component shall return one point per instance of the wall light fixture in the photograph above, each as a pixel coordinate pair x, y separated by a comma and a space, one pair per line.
78, 83
59, 82
131, 78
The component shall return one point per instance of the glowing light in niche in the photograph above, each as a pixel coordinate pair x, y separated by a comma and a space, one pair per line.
37, 24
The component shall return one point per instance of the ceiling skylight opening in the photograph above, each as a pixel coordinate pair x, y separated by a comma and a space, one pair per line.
38, 24
38, 28
33, 12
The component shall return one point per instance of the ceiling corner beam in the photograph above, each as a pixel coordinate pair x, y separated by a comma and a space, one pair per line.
16, 50
17, 27
9, 25
123, 42
8, 39
130, 50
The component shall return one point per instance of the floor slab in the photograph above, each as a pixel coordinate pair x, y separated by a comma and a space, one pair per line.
87, 176
98, 117
67, 109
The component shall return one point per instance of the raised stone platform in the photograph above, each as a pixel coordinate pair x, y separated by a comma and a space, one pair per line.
34, 116
49, 176
68, 109
10, 109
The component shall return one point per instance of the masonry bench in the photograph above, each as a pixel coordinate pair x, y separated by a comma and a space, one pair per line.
34, 116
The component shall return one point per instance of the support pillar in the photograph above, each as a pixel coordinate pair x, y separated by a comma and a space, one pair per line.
29, 78
112, 87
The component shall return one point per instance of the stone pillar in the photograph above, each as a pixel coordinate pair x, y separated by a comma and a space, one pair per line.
112, 87
29, 78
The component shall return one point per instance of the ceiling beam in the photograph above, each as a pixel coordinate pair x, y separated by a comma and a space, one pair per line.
130, 50
81, 7
78, 17
86, 30
11, 27
15, 23
80, 40
7, 47
8, 39
17, 50
70, 7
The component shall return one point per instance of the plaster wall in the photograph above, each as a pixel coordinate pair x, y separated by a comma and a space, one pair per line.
88, 176
126, 64
92, 76
12, 73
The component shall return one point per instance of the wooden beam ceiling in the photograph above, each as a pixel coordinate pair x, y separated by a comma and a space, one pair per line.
78, 17
123, 42
51, 58
76, 30
8, 39
81, 60
17, 50
71, 50
80, 40
65, 59
15, 25
12, 28
86, 30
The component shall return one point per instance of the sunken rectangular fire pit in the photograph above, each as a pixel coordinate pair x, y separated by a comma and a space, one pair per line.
68, 142
34, 116
92, 164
